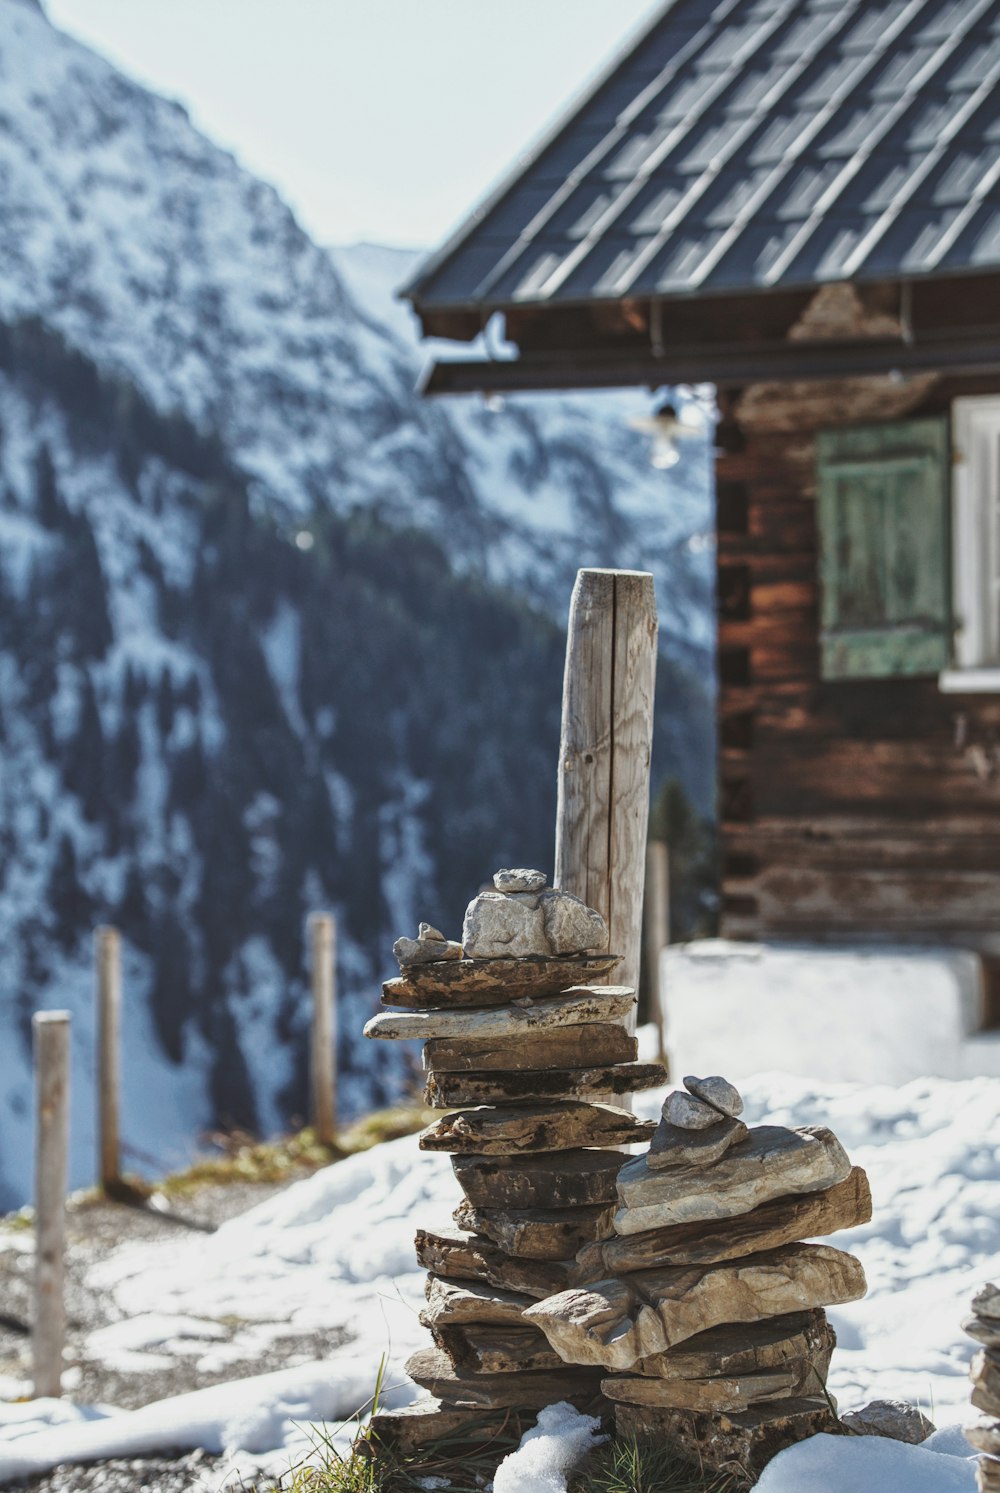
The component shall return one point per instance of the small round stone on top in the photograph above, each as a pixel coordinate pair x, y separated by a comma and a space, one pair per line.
519, 880
718, 1092
688, 1113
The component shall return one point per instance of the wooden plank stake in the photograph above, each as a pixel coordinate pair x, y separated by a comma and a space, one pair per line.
51, 1031
108, 973
322, 945
657, 932
604, 756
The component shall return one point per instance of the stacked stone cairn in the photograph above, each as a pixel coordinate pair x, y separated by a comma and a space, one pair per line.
984, 1326
704, 1313
527, 1054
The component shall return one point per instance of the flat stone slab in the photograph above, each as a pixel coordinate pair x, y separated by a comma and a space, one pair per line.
984, 1435
410, 1429
619, 1321
450, 1302
432, 1370
772, 1162
447, 1090
602, 1003
746, 1347
497, 1350
564, 1179
985, 1376
734, 1367
740, 1442
672, 1146
456, 1255
724, 1392
493, 982
783, 1220
555, 1234
523, 1129
985, 1330
585, 1046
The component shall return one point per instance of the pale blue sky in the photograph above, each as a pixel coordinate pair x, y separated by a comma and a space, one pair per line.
377, 119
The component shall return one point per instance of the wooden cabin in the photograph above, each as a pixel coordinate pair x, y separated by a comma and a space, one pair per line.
799, 202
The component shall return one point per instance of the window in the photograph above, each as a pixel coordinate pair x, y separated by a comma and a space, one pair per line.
884, 535
976, 564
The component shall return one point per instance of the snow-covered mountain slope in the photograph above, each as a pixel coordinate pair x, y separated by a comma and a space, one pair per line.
274, 633
151, 249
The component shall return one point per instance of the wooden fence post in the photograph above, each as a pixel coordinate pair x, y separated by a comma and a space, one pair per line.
604, 754
322, 947
51, 1031
657, 932
108, 973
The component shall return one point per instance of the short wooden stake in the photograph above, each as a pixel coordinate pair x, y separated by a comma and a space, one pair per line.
108, 973
322, 946
604, 756
51, 1031
657, 933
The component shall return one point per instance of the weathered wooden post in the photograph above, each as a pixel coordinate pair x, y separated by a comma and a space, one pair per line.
51, 1031
604, 755
322, 947
108, 974
657, 932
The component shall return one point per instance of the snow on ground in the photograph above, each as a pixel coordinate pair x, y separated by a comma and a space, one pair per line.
336, 1252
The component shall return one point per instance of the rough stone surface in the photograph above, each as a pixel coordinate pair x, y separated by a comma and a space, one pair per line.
456, 1255
746, 1348
568, 1179
685, 1112
984, 1435
772, 1162
570, 925
598, 1043
986, 1302
739, 1443
783, 1220
893, 1418
411, 951
672, 1146
718, 1092
450, 1301
514, 923
984, 1329
554, 1234
448, 1090
602, 1003
985, 1376
413, 1427
520, 880
432, 1370
496, 924
428, 934
721, 1391
525, 1129
482, 983
496, 1350
618, 1321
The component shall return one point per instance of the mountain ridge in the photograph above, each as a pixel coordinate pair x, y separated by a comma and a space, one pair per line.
275, 634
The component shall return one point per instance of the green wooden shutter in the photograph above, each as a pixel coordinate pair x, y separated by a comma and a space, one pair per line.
884, 536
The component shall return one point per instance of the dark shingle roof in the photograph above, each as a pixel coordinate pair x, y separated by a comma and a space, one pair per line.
748, 144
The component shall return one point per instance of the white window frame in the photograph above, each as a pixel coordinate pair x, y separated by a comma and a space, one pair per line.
975, 545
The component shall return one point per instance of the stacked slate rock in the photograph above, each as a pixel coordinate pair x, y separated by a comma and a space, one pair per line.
705, 1312
984, 1434
527, 1057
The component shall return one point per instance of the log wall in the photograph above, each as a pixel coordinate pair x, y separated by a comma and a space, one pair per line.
848, 809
